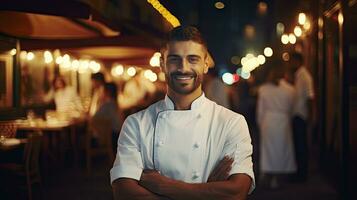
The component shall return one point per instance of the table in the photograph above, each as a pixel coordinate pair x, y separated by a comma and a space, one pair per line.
8, 144
54, 125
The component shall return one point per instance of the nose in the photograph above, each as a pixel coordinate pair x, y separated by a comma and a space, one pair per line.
184, 66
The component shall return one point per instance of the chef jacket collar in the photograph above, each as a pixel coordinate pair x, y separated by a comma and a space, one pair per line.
196, 104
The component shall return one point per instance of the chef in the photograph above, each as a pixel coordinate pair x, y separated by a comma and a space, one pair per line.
184, 146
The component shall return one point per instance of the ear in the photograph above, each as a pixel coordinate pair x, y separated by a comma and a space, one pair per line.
205, 68
162, 63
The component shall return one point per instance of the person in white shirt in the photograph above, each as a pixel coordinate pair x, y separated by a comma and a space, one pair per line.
98, 82
185, 146
65, 97
303, 113
274, 111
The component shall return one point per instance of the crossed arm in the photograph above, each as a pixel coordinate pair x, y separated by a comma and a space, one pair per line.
154, 186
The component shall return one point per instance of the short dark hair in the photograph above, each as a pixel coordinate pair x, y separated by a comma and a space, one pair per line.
184, 33
111, 89
98, 77
297, 56
59, 78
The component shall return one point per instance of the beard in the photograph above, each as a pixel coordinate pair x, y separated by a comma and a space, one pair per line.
184, 87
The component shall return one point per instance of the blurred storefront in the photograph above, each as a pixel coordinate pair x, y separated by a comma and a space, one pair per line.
41, 40
336, 61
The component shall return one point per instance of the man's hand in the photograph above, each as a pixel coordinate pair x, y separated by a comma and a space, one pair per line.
153, 181
221, 172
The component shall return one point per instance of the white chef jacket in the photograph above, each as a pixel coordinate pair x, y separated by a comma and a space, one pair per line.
184, 145
304, 87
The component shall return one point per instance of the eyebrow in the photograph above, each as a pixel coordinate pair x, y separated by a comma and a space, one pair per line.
173, 55
177, 56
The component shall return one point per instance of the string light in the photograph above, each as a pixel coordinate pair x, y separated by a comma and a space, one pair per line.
164, 12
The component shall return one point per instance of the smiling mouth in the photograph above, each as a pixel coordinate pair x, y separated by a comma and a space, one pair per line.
183, 77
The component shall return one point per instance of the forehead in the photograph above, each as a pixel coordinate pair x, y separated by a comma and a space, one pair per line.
185, 48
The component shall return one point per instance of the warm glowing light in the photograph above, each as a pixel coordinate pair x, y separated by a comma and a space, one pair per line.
48, 57
307, 25
261, 59
297, 31
147, 73
292, 38
66, 64
153, 77
243, 60
286, 56
94, 66
164, 12
249, 55
249, 31
155, 60
66, 57
30, 56
228, 78
268, 52
219, 5
150, 75
320, 22
83, 66
340, 18
131, 71
118, 70
262, 8
285, 39
13, 52
302, 18
59, 60
280, 28
75, 65
249, 63
23, 55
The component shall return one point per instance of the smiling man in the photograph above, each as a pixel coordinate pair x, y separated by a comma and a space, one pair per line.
185, 146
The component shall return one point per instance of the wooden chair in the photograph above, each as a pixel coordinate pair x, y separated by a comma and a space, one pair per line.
103, 129
29, 169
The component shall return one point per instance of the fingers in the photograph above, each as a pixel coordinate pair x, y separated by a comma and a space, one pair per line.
224, 168
221, 171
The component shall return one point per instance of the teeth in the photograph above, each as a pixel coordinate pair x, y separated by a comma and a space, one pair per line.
183, 77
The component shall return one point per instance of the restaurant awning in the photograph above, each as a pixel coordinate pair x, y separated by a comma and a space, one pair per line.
128, 50
39, 26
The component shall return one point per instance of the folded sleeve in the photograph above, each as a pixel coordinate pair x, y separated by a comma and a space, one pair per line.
128, 162
238, 146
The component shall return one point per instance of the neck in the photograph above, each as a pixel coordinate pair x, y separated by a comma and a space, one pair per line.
184, 101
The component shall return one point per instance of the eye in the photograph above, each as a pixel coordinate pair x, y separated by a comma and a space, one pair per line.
174, 59
193, 59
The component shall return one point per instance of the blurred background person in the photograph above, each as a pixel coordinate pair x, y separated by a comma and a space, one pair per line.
215, 89
65, 97
303, 112
109, 110
137, 94
274, 109
98, 82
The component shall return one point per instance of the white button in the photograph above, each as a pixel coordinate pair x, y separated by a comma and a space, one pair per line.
160, 143
196, 145
195, 175
198, 116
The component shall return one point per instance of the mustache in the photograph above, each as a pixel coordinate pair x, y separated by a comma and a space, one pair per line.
177, 73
